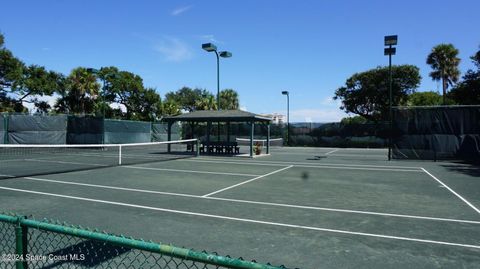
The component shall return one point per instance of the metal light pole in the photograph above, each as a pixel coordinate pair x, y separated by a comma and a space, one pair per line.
288, 116
224, 54
390, 41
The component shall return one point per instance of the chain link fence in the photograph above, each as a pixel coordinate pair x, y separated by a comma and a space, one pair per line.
27, 243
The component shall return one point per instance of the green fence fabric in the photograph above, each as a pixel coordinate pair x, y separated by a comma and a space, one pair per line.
160, 132
450, 132
48, 244
123, 131
84, 130
37, 129
3, 129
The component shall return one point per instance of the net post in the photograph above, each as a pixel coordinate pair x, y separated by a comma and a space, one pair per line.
197, 144
119, 154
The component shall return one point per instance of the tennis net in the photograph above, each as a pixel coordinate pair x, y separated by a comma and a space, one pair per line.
31, 160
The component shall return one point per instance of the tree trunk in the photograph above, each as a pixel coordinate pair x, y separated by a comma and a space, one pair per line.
444, 86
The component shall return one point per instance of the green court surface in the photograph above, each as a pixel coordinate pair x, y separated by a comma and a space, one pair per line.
300, 207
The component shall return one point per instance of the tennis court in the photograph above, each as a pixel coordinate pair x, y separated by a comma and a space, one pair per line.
300, 207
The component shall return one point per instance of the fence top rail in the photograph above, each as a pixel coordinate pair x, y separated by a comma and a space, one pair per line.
168, 250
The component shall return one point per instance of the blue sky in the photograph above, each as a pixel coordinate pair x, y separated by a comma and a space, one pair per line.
306, 47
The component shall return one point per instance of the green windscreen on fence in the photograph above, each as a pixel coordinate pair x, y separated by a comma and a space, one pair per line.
84, 130
160, 132
3, 129
450, 132
37, 129
124, 131
27, 243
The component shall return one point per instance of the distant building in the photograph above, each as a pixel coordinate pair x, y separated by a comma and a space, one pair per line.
276, 118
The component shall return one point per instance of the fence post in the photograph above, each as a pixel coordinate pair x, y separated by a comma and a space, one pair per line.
5, 125
21, 243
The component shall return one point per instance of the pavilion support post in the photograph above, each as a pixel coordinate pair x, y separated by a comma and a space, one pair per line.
209, 129
169, 135
252, 130
228, 131
268, 138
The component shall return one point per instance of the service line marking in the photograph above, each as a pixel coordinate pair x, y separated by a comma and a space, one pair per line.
248, 181
294, 226
188, 171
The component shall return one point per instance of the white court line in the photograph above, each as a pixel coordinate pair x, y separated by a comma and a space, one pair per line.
250, 180
294, 226
360, 155
253, 202
188, 171
324, 165
358, 168
280, 163
63, 162
332, 151
452, 191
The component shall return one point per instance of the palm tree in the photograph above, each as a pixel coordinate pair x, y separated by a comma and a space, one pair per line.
82, 89
206, 103
444, 62
229, 99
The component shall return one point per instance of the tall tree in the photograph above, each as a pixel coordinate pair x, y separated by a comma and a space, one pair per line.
170, 108
467, 92
206, 103
11, 72
424, 99
367, 94
187, 98
81, 90
229, 99
444, 62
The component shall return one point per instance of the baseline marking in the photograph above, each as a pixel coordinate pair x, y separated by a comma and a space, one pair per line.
248, 181
452, 191
249, 220
188, 171
254, 202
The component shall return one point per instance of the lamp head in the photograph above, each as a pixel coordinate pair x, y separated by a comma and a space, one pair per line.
391, 40
225, 54
209, 47
285, 92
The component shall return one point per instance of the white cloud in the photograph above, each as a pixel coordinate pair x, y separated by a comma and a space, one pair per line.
180, 10
329, 101
173, 49
210, 38
317, 115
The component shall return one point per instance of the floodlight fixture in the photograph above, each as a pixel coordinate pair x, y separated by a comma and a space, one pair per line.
225, 54
391, 40
389, 51
285, 92
209, 47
